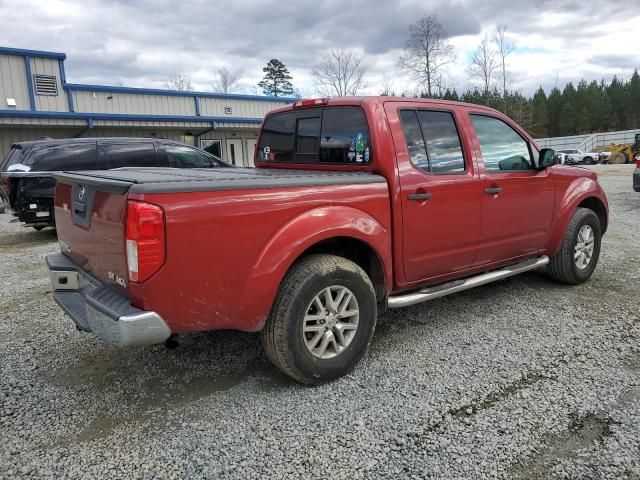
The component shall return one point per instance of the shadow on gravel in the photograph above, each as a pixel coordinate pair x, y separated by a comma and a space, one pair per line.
582, 433
27, 237
139, 383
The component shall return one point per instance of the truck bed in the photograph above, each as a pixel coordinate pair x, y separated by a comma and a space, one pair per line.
231, 232
173, 180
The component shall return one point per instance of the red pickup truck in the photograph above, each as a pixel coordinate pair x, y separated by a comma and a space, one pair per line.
356, 205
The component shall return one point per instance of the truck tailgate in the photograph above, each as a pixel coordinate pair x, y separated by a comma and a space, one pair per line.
90, 216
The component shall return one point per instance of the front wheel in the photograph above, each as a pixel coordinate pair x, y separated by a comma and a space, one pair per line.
322, 321
578, 256
588, 160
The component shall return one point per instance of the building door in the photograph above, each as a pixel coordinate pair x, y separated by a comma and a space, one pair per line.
234, 152
251, 151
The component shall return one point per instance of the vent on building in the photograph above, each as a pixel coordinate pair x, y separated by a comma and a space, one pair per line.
45, 84
227, 110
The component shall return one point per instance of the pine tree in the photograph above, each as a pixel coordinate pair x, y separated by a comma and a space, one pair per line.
540, 114
633, 89
276, 81
554, 107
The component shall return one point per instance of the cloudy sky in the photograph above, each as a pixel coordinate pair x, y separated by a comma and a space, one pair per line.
142, 42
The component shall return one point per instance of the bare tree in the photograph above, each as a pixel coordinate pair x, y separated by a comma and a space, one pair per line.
484, 63
340, 73
504, 48
387, 89
225, 80
427, 51
180, 82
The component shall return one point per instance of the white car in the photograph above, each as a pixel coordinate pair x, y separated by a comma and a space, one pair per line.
574, 156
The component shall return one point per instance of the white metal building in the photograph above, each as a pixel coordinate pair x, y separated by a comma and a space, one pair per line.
36, 101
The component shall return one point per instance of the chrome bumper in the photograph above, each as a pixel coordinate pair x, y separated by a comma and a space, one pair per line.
97, 308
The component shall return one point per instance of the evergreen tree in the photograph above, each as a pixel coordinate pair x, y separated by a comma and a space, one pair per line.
617, 96
540, 114
633, 89
276, 81
568, 111
554, 107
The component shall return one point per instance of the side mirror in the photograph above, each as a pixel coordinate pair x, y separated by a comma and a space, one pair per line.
547, 158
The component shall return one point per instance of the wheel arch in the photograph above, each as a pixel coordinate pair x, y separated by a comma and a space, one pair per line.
337, 230
598, 207
583, 193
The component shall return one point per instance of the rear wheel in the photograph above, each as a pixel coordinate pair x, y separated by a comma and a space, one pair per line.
322, 321
578, 256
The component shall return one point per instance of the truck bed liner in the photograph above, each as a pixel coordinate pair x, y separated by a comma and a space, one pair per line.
170, 180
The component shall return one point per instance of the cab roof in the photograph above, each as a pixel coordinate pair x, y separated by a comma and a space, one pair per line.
380, 100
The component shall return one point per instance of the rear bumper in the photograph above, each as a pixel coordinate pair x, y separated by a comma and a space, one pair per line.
636, 179
97, 308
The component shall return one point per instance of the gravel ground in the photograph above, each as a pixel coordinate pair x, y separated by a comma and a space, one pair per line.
523, 378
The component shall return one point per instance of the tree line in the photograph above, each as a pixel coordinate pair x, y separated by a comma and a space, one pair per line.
587, 107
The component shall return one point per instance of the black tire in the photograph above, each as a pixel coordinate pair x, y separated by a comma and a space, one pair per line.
38, 228
282, 335
562, 266
588, 160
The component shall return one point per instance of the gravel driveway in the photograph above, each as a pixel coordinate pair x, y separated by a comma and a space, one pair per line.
523, 378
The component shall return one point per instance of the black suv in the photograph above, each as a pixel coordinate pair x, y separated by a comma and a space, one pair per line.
25, 173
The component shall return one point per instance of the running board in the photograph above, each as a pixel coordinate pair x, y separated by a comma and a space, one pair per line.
399, 301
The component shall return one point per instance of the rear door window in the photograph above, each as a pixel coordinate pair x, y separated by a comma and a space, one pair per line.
336, 135
181, 156
433, 141
80, 156
132, 154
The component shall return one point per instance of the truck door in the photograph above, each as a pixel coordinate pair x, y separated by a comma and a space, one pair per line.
517, 199
440, 192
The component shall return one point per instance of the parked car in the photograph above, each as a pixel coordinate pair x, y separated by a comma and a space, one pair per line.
26, 173
636, 175
575, 156
356, 205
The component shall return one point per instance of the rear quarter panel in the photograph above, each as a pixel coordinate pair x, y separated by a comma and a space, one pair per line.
228, 251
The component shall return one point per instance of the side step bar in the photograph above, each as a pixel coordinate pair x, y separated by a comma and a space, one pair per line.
399, 301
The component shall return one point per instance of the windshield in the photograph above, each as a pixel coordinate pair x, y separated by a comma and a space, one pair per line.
13, 161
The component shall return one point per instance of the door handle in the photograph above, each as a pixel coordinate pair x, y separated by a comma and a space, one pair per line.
417, 197
493, 190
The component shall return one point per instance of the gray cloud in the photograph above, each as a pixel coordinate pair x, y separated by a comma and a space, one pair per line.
141, 42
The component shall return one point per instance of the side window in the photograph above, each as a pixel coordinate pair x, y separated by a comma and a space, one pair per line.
181, 156
413, 137
433, 141
81, 156
345, 136
503, 149
442, 140
277, 138
130, 154
337, 135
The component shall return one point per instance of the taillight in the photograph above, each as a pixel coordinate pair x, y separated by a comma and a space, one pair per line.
145, 242
638, 162
4, 184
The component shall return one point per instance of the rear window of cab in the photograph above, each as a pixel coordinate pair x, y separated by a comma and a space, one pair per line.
333, 135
